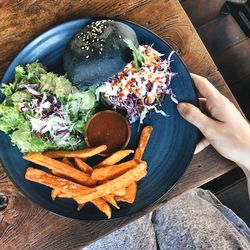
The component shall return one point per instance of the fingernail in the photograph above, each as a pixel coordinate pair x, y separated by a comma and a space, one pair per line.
181, 106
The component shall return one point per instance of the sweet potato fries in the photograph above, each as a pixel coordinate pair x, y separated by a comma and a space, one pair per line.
104, 184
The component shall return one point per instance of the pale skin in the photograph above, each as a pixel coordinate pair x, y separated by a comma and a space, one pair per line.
225, 128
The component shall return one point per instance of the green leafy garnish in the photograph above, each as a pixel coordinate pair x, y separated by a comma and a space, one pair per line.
8, 89
27, 141
42, 110
138, 58
10, 118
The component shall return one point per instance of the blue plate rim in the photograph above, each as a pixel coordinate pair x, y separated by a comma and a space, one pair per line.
161, 198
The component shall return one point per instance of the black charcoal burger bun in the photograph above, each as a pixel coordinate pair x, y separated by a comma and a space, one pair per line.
97, 52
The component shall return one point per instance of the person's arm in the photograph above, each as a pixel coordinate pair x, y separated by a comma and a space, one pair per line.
225, 129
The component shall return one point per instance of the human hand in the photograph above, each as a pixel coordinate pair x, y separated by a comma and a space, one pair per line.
226, 129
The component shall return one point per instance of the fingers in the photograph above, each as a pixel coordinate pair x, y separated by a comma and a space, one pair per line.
193, 115
201, 145
204, 86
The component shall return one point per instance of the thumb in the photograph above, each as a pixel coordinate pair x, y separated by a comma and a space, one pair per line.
193, 115
201, 145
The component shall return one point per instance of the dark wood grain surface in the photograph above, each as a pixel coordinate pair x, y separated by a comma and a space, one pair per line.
233, 58
202, 11
226, 27
23, 225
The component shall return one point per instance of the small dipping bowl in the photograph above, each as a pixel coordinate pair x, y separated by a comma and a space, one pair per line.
107, 128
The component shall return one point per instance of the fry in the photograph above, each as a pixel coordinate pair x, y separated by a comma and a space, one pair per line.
66, 161
115, 157
109, 172
83, 166
120, 182
111, 200
145, 135
130, 195
57, 183
80, 206
85, 153
120, 192
60, 167
54, 172
58, 193
101, 204
54, 193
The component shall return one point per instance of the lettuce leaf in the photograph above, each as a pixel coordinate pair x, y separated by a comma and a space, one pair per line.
30, 73
20, 96
27, 141
8, 89
10, 118
63, 86
138, 58
20, 74
57, 85
82, 121
47, 83
34, 71
80, 103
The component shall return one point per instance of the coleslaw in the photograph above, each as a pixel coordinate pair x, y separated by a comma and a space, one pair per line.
140, 90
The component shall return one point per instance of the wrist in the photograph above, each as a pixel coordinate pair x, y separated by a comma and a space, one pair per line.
244, 160
244, 163
244, 153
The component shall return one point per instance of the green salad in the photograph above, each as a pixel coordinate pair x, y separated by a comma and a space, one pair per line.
42, 110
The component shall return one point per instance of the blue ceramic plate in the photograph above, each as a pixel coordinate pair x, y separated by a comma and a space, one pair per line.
170, 148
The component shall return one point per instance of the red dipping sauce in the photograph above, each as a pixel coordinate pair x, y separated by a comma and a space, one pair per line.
107, 128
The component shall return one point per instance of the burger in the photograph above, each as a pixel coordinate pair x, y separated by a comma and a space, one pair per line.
98, 51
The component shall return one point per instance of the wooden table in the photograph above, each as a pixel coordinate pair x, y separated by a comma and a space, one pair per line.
25, 225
